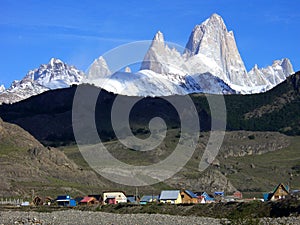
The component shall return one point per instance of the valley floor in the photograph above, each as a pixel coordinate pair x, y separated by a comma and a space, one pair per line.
75, 217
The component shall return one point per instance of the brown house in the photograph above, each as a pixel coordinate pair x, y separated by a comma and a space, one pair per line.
188, 197
280, 192
42, 201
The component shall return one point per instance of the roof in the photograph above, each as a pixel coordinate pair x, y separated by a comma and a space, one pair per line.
219, 193
131, 199
87, 199
286, 188
207, 197
148, 198
169, 195
96, 196
63, 198
114, 192
190, 193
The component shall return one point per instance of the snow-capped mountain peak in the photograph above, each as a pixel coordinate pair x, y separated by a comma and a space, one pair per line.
2, 88
286, 66
212, 49
159, 37
210, 63
98, 69
271, 76
215, 22
54, 61
54, 75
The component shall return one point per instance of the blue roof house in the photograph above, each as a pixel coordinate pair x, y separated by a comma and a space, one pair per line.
66, 200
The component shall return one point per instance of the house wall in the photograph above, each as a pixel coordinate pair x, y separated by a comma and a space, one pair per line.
187, 199
280, 193
173, 201
179, 199
119, 196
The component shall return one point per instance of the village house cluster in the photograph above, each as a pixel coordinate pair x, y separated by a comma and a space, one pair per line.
182, 196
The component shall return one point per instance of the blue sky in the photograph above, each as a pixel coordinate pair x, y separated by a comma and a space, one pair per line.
77, 32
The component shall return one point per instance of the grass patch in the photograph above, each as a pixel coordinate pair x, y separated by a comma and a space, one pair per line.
261, 173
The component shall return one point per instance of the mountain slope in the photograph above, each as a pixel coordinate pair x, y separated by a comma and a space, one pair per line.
27, 165
275, 110
49, 118
53, 75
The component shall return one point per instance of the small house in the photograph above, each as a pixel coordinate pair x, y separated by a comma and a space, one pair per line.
42, 201
114, 197
296, 194
279, 192
170, 196
133, 199
149, 198
25, 203
65, 200
98, 197
78, 199
238, 195
37, 201
188, 197
203, 197
88, 201
219, 193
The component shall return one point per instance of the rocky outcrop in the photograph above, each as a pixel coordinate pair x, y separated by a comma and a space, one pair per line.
242, 143
210, 180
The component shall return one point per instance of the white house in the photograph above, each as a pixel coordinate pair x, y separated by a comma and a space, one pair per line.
114, 197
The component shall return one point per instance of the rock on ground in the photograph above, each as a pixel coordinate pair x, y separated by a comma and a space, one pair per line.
76, 217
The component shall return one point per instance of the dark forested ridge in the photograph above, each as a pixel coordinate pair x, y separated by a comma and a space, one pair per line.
48, 116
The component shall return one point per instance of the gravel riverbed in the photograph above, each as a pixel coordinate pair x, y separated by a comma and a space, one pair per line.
76, 217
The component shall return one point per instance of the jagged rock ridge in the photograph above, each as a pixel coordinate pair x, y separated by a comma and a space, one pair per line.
210, 63
54, 75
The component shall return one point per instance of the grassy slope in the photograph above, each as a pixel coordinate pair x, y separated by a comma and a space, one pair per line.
260, 173
269, 168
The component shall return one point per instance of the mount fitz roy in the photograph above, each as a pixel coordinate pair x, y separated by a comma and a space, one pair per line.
210, 63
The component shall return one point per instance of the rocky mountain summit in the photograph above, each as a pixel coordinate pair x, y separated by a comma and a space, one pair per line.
210, 63
54, 75
2, 88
